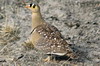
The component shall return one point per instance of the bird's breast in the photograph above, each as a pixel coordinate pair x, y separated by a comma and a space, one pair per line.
35, 36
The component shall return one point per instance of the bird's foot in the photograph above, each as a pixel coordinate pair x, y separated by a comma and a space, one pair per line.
48, 59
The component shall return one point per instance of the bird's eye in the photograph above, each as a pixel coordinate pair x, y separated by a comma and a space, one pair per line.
34, 6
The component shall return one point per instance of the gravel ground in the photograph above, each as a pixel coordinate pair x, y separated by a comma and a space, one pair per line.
78, 21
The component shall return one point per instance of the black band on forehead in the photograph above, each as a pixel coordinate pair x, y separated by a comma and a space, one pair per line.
30, 4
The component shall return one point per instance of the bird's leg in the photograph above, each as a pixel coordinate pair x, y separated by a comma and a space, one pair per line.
49, 58
54, 59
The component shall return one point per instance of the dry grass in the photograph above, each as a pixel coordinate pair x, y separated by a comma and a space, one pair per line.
8, 34
28, 45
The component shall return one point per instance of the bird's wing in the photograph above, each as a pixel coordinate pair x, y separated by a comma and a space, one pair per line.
47, 30
52, 41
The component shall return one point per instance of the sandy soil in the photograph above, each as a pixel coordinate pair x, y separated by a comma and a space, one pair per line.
78, 21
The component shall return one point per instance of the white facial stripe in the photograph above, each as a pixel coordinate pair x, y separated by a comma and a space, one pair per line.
33, 4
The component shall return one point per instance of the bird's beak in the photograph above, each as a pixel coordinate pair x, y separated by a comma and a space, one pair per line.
27, 6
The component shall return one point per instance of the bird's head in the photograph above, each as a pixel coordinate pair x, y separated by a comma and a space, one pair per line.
33, 7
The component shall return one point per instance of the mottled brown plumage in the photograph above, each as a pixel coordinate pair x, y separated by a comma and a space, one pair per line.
46, 37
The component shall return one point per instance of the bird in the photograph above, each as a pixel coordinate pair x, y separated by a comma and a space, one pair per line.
46, 37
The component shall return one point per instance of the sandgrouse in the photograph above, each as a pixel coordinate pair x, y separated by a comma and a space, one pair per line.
46, 37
